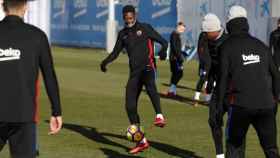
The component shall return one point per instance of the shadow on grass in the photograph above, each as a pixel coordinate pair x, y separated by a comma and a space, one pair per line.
166, 148
114, 154
179, 86
182, 99
92, 134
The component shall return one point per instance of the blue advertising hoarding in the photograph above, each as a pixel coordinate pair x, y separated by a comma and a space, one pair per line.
82, 23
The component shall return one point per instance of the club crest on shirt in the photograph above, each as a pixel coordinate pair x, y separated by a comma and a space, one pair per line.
139, 33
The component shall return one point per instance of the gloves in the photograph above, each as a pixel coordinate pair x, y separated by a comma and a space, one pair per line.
103, 67
162, 55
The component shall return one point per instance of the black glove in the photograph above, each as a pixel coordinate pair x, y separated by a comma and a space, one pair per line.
162, 55
103, 67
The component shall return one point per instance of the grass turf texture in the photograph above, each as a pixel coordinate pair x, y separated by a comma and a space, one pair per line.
95, 120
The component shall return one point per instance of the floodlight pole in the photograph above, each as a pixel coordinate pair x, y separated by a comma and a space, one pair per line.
111, 27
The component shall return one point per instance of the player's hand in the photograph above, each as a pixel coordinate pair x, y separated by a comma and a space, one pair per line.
103, 67
55, 124
162, 55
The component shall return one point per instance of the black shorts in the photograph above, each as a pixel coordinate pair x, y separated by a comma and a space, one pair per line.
21, 138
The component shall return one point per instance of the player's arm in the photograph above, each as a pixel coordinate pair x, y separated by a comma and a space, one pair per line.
275, 76
114, 54
176, 44
222, 78
203, 51
51, 84
155, 36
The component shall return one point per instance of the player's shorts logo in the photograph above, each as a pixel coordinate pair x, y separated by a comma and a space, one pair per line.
9, 54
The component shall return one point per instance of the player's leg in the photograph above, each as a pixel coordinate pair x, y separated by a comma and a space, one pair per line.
237, 127
216, 128
179, 72
131, 99
143, 144
150, 84
22, 141
265, 124
172, 88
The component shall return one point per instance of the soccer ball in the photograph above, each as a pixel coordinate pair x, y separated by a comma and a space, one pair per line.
135, 133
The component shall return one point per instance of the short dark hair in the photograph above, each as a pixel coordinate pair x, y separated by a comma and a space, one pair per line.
128, 9
180, 23
279, 21
13, 4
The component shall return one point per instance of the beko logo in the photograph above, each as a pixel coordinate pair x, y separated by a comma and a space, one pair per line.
9, 54
250, 59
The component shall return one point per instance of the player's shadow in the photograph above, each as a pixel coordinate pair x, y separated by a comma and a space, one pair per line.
182, 99
93, 134
180, 86
169, 149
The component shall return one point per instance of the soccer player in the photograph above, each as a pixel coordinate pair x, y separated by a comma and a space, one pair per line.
137, 38
204, 64
254, 81
274, 45
210, 42
24, 50
176, 58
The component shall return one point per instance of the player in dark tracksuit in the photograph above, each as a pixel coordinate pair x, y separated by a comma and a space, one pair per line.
215, 125
204, 63
137, 38
24, 50
248, 64
176, 58
274, 45
209, 45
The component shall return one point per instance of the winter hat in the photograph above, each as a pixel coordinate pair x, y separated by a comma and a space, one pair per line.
237, 12
211, 23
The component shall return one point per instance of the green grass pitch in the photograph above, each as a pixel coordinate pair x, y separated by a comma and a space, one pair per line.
95, 120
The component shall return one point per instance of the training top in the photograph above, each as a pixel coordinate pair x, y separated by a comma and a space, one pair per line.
175, 46
274, 45
247, 63
138, 41
24, 49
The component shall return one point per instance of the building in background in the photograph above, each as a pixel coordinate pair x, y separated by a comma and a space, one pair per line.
82, 23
